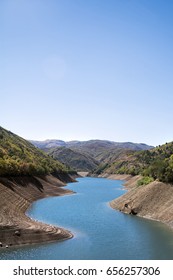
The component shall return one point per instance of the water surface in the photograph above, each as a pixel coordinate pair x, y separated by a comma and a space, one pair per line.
99, 231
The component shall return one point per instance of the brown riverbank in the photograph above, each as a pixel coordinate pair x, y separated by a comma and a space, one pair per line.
153, 201
17, 194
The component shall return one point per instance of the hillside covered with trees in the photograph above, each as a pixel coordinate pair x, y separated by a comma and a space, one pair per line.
20, 157
156, 163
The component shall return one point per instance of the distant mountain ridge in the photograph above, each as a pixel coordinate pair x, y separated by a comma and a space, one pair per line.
48, 143
53, 143
88, 155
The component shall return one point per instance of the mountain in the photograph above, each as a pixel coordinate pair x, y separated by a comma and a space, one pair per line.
20, 157
90, 145
47, 144
87, 155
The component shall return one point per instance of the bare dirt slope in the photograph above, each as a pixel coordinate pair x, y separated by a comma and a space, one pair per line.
16, 195
153, 201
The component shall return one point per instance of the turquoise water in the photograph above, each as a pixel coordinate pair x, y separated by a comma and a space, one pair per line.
99, 231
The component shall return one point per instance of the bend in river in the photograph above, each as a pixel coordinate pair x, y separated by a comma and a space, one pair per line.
99, 231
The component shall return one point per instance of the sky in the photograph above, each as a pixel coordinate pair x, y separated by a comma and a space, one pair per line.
80, 70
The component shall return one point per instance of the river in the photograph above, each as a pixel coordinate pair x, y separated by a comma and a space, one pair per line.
99, 231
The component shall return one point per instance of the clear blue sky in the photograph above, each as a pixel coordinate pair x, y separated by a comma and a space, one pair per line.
95, 69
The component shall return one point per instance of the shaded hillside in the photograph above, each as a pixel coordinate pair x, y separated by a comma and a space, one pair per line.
74, 159
20, 157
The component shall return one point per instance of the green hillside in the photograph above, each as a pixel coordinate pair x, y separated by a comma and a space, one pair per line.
156, 163
20, 157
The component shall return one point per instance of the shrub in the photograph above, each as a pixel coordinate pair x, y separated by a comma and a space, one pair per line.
144, 181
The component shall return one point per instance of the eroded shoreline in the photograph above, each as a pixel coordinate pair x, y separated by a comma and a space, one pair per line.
17, 195
153, 201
